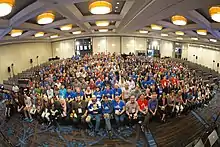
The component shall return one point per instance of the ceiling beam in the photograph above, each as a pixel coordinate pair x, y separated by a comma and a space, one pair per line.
93, 18
156, 10
69, 12
202, 22
24, 15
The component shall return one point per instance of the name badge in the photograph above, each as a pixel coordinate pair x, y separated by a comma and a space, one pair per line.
79, 110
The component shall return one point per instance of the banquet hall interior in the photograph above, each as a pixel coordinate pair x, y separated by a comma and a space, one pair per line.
109, 73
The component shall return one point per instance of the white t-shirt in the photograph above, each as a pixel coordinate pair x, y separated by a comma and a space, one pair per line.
15, 88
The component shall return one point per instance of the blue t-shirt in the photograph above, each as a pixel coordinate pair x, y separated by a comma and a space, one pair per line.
152, 104
62, 93
107, 107
70, 95
118, 106
117, 92
144, 83
99, 84
107, 93
81, 93
98, 95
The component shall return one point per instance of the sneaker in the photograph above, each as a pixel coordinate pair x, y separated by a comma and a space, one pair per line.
26, 119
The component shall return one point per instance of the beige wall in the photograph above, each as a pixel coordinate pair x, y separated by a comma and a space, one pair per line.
63, 49
20, 55
166, 48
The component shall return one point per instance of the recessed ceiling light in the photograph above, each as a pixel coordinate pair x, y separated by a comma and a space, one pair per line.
103, 30
164, 35
202, 32
179, 20
179, 38
215, 13
116, 7
100, 7
77, 32
39, 34
45, 18
115, 10
156, 27
213, 40
54, 36
66, 27
194, 38
6, 7
117, 3
102, 23
143, 31
16, 33
179, 33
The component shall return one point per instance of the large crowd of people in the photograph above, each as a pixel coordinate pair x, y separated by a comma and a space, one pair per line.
116, 90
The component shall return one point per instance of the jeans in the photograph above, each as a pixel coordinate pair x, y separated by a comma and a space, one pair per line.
97, 121
108, 124
119, 119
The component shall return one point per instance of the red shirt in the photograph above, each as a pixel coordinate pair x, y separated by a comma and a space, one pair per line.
142, 103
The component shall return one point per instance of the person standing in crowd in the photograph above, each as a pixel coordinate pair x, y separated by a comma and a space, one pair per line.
119, 110
132, 110
94, 112
107, 110
143, 110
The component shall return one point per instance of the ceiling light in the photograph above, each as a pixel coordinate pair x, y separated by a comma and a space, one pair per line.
116, 7
45, 18
15, 33
213, 40
156, 27
179, 38
6, 7
202, 32
179, 33
102, 23
54, 36
164, 35
100, 7
215, 13
39, 34
66, 27
179, 20
103, 30
117, 3
77, 32
194, 38
143, 31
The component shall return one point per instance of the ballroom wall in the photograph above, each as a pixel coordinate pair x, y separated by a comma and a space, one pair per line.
20, 55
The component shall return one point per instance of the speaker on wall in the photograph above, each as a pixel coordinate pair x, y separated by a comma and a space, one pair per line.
31, 61
9, 69
196, 57
213, 61
217, 64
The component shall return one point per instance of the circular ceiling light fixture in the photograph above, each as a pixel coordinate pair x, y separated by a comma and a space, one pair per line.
103, 30
213, 40
179, 33
102, 23
179, 38
156, 27
6, 7
45, 18
77, 32
16, 33
202, 32
143, 31
179, 20
164, 35
54, 36
194, 38
39, 34
215, 13
66, 27
100, 7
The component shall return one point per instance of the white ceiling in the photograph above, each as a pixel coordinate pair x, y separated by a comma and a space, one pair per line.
131, 16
